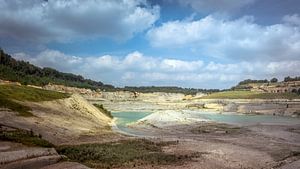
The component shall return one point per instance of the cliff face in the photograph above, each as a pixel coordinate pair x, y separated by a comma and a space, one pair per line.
254, 106
283, 108
60, 121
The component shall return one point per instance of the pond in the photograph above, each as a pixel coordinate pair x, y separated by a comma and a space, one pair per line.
125, 118
242, 119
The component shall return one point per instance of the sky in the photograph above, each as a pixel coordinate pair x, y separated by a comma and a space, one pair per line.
186, 43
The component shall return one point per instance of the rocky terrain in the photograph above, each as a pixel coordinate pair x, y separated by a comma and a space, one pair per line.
126, 101
16, 155
219, 145
203, 143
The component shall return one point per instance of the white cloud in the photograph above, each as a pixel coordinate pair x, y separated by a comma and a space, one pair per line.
239, 39
138, 69
223, 6
292, 19
56, 20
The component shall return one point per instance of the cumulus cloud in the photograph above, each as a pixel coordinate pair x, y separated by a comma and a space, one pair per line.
137, 69
292, 19
223, 6
239, 39
56, 20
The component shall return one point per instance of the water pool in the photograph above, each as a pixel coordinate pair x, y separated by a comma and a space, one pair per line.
125, 118
240, 119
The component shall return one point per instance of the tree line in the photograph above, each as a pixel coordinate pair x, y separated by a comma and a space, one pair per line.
29, 74
168, 89
273, 80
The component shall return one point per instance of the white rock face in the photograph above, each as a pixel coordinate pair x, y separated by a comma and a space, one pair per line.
170, 118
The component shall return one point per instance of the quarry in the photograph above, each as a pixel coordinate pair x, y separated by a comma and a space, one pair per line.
205, 132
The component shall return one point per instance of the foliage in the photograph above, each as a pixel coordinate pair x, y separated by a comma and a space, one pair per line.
120, 154
26, 73
24, 137
250, 95
168, 89
247, 81
25, 93
103, 110
274, 80
14, 106
290, 79
296, 91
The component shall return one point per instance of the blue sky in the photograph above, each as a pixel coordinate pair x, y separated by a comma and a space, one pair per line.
187, 43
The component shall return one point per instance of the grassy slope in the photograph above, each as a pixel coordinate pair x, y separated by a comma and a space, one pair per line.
10, 93
251, 95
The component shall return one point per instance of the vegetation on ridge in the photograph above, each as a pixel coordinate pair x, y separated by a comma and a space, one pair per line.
250, 95
26, 73
11, 97
168, 89
104, 110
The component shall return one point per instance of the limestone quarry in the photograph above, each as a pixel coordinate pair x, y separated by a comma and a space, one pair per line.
126, 101
173, 117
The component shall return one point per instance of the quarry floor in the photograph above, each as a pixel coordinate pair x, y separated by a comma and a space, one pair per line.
221, 146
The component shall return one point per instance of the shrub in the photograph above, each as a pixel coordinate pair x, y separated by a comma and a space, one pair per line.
104, 110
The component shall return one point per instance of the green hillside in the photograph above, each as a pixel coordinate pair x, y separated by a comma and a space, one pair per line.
12, 96
250, 95
26, 73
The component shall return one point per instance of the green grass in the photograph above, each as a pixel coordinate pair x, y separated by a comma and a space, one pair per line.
9, 94
103, 110
24, 93
250, 95
24, 137
14, 106
130, 153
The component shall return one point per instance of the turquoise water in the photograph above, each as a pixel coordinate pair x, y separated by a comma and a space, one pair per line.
249, 119
125, 118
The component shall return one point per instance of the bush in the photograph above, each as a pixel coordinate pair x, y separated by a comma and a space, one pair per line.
274, 80
103, 110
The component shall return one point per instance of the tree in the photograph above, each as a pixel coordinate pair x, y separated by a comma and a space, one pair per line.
26, 73
287, 79
274, 80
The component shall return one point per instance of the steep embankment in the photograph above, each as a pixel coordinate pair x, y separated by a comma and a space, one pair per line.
66, 119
